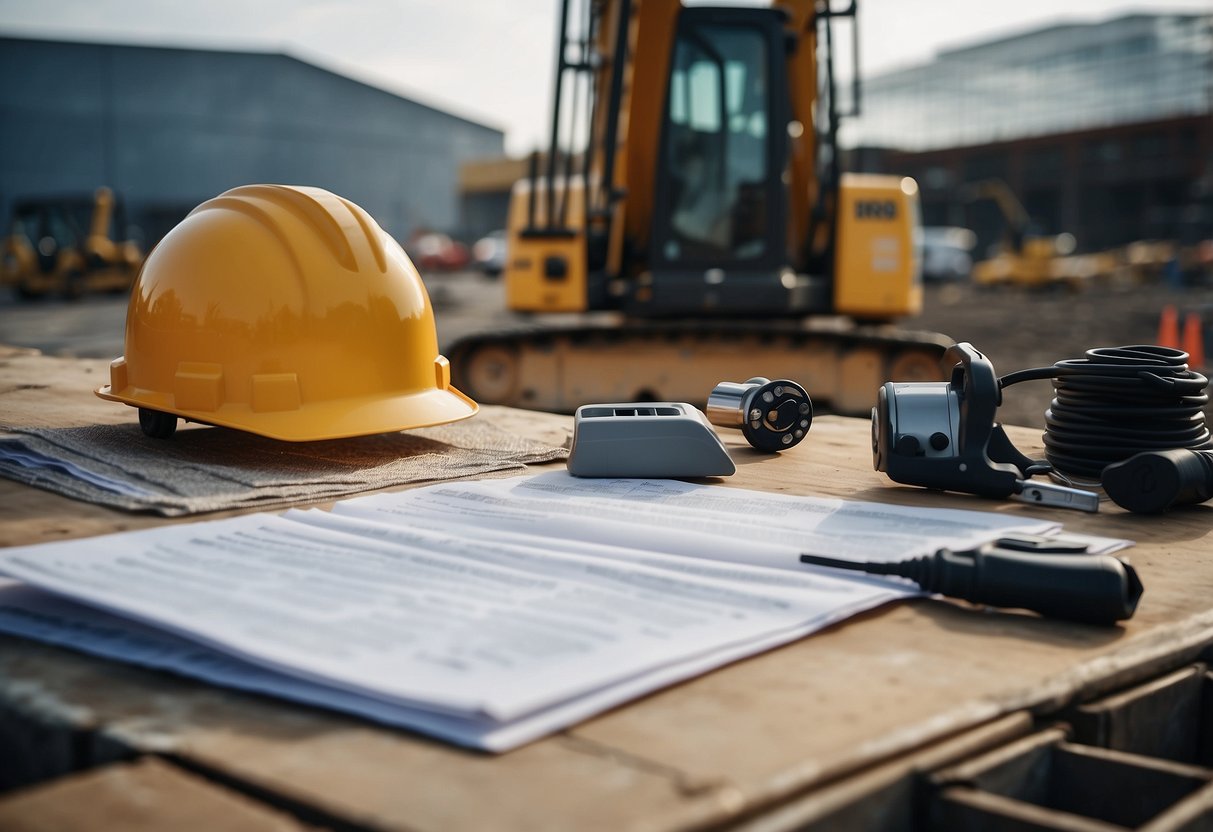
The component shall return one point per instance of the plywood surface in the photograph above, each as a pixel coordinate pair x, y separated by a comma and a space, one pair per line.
737, 742
144, 796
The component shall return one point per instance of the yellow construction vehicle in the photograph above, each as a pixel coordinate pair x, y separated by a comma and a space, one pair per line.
1026, 258
65, 246
693, 190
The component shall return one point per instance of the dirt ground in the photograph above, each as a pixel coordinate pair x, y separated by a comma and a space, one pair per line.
1018, 329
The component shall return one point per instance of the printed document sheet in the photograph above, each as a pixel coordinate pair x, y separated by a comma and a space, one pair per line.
484, 613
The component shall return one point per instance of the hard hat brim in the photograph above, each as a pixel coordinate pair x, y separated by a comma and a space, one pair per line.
322, 420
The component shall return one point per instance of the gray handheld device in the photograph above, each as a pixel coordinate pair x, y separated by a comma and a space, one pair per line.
646, 439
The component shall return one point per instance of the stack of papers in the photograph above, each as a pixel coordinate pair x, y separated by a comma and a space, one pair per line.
483, 613
212, 469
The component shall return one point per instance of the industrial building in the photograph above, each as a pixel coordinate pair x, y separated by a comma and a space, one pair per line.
167, 128
1103, 130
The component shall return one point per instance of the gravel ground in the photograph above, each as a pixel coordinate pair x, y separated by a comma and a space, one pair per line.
1018, 329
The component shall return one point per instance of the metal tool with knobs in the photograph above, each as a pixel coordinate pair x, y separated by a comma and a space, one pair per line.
771, 415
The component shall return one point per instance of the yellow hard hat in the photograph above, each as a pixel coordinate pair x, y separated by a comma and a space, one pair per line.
286, 312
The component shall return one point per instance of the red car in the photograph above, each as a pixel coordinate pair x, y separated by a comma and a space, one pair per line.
437, 252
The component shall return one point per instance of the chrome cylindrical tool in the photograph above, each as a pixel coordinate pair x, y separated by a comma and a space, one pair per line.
772, 415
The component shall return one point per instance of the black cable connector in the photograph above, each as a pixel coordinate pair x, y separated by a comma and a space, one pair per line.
1155, 481
1011, 572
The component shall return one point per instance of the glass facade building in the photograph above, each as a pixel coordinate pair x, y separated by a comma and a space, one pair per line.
1101, 130
167, 128
1064, 78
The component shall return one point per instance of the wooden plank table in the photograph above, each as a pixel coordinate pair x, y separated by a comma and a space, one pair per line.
777, 740
145, 796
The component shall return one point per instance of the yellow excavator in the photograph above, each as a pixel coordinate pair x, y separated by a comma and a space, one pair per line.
1029, 259
693, 194
65, 246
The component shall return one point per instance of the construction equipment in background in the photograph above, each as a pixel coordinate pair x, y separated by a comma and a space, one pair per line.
693, 181
1027, 258
67, 246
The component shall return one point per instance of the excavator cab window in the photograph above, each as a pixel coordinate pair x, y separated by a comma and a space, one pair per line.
719, 194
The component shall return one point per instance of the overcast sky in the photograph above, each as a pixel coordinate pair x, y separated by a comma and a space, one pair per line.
492, 60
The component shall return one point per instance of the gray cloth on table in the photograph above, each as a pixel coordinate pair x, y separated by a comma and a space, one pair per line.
212, 469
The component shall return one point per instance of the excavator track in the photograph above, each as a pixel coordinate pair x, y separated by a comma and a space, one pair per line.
559, 369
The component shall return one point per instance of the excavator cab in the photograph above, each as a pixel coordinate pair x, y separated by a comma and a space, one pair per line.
719, 196
709, 181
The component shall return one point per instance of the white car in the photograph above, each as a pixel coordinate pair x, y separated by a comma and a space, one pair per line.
488, 253
946, 253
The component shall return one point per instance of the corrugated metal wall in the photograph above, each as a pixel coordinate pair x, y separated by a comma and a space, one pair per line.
167, 128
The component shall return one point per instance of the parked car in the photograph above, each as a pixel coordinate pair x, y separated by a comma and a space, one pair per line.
431, 251
946, 253
488, 253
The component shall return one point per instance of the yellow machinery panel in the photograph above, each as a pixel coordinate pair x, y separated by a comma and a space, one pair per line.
878, 265
546, 267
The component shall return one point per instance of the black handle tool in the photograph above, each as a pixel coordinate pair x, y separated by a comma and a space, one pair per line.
1033, 574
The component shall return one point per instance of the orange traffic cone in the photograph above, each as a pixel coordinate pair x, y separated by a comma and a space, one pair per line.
1194, 340
1168, 327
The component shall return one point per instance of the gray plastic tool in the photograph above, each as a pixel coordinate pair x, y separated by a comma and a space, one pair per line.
646, 439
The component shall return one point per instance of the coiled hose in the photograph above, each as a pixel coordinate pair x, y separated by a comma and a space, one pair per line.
1116, 402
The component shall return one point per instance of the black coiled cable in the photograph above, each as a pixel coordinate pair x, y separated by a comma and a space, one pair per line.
1119, 401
